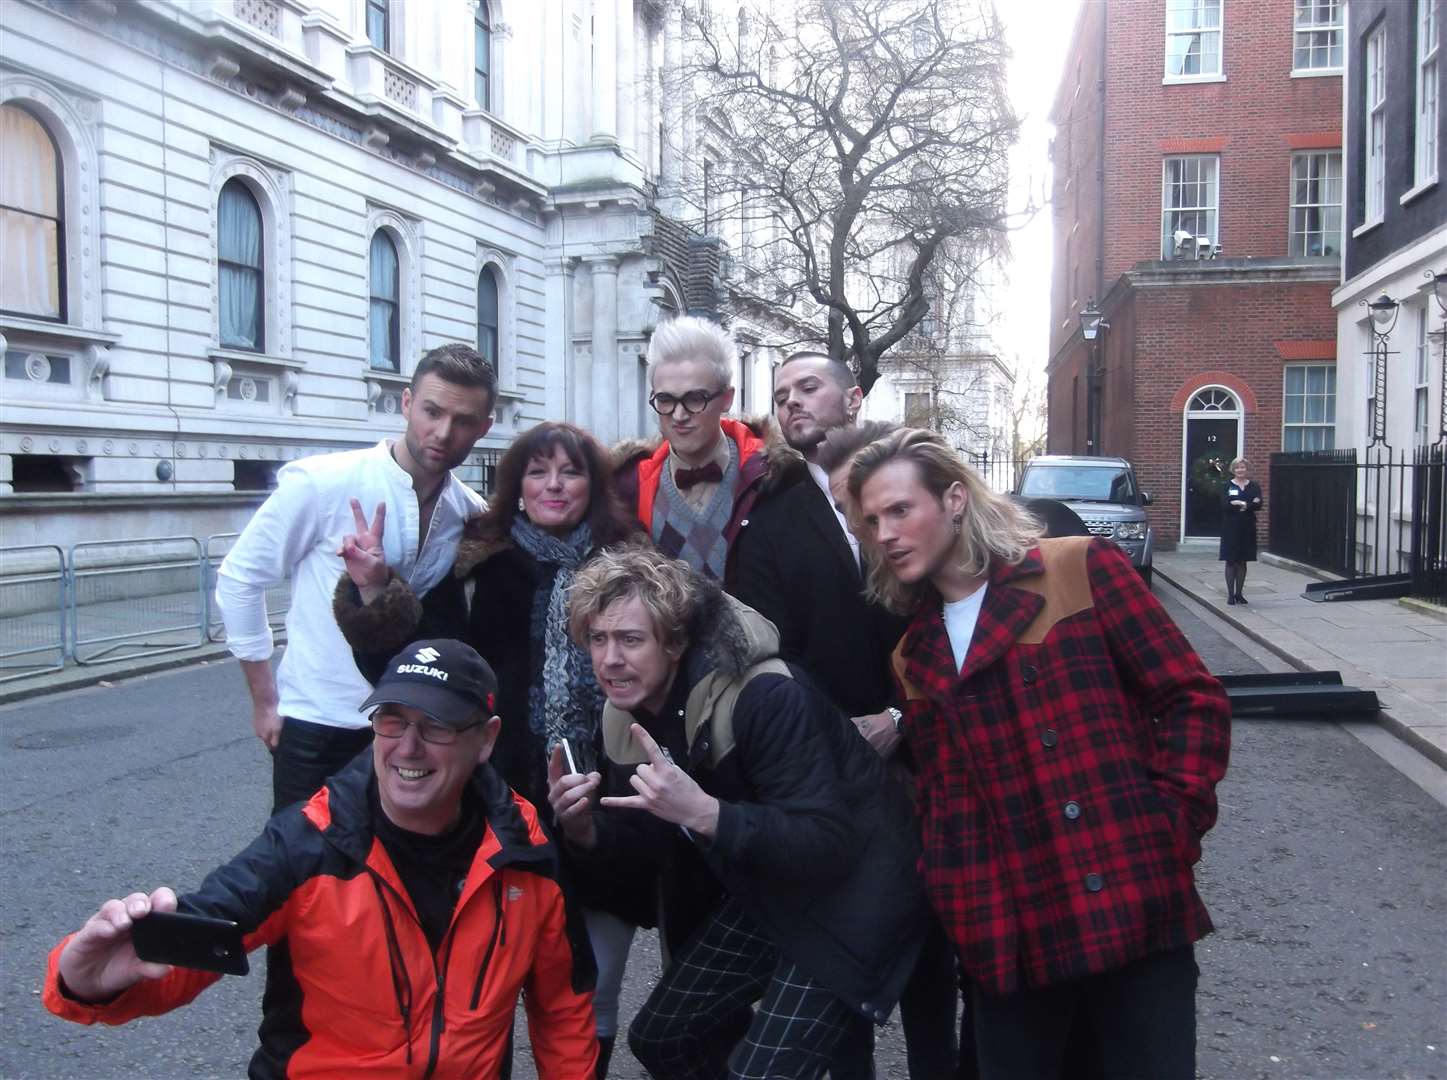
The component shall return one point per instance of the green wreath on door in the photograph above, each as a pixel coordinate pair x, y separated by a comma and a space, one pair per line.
1208, 474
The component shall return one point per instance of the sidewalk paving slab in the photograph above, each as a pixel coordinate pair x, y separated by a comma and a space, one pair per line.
1397, 649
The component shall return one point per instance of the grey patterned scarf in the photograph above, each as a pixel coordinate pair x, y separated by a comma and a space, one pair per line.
563, 696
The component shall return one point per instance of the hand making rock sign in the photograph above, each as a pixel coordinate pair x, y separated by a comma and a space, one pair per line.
667, 792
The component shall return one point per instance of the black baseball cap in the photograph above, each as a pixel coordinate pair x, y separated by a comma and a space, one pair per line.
442, 677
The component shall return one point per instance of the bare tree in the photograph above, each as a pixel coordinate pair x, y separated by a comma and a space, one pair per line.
874, 134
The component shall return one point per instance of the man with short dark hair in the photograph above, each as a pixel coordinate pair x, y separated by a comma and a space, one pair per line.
304, 714
408, 904
800, 567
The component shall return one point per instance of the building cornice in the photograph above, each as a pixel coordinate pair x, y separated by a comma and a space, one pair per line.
1178, 273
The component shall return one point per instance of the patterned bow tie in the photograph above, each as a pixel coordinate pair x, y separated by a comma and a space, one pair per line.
704, 474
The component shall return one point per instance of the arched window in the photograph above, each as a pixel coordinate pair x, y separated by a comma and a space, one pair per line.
240, 266
32, 221
386, 306
482, 56
487, 316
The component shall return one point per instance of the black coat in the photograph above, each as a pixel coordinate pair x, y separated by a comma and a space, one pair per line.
795, 567
1238, 524
497, 623
817, 848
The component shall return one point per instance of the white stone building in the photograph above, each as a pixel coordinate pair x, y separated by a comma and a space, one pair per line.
233, 226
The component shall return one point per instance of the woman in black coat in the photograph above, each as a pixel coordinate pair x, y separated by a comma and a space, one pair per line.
1240, 499
555, 506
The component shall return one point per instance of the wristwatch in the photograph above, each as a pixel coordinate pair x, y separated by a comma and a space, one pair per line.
898, 718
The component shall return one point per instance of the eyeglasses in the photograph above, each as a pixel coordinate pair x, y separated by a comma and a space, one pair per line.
695, 401
392, 726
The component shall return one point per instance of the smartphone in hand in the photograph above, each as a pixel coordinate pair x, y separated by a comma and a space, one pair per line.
190, 941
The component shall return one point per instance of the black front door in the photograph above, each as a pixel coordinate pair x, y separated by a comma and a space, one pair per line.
1210, 446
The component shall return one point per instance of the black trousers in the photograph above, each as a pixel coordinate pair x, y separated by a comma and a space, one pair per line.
306, 754
1142, 1017
688, 1030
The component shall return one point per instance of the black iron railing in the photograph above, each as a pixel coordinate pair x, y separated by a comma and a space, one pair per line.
1384, 514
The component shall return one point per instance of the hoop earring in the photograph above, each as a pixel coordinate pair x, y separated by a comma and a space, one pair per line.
959, 523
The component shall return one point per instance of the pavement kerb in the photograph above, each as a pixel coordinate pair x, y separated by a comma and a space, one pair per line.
1424, 607
77, 677
1385, 719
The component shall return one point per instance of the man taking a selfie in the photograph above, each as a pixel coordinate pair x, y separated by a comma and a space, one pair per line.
409, 902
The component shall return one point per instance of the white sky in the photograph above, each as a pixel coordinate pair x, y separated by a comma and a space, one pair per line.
1039, 34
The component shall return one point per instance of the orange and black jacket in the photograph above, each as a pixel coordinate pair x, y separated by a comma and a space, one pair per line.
363, 993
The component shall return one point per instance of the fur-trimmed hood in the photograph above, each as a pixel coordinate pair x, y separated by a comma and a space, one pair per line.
785, 464
474, 549
729, 643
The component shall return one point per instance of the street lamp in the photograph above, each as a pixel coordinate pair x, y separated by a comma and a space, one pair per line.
1092, 326
1384, 311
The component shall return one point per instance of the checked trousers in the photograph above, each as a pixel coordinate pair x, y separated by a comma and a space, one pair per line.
689, 1029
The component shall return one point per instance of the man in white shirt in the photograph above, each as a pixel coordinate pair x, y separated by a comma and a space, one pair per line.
307, 714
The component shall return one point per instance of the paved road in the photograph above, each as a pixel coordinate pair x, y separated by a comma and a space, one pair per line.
1327, 877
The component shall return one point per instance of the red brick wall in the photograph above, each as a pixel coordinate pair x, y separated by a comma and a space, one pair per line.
1256, 116
1197, 335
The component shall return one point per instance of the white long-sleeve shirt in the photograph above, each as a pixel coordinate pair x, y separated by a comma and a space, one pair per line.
297, 532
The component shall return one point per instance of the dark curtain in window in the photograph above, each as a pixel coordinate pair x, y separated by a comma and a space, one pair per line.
482, 56
31, 224
386, 304
239, 263
487, 321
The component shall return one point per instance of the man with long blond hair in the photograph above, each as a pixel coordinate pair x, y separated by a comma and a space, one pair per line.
1069, 742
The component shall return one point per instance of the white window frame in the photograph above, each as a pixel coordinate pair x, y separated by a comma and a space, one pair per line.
1323, 206
1328, 396
1219, 30
1374, 119
1421, 367
1429, 108
272, 189
70, 120
1309, 27
1212, 206
406, 235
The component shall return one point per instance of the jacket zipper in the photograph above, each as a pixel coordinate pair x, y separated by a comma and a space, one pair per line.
439, 1018
439, 1022
499, 936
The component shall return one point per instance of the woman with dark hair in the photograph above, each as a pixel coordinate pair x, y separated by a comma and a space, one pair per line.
554, 507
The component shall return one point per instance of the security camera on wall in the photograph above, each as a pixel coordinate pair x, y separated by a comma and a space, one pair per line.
1182, 241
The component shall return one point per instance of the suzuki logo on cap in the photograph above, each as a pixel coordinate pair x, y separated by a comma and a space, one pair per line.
427, 655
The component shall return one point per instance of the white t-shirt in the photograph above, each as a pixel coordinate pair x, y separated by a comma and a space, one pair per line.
960, 619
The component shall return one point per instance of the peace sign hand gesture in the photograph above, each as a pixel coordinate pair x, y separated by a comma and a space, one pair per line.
667, 792
363, 554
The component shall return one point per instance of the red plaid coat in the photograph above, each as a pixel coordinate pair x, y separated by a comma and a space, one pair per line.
1066, 772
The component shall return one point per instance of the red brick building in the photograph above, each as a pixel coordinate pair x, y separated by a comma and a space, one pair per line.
1197, 204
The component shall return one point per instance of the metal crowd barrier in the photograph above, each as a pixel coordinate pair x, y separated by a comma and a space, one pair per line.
32, 610
136, 598
278, 597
